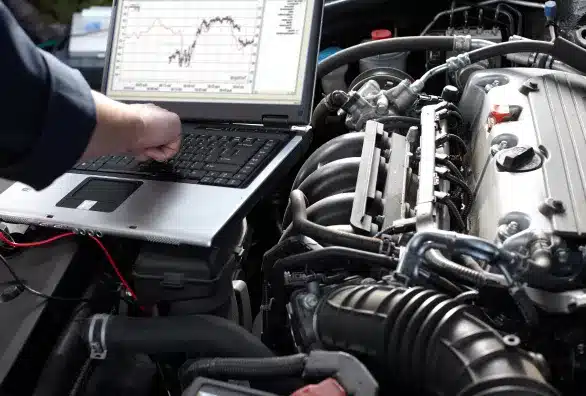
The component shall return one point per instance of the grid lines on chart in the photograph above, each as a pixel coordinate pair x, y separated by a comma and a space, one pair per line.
194, 41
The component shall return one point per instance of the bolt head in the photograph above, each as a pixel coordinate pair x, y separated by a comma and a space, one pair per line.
310, 301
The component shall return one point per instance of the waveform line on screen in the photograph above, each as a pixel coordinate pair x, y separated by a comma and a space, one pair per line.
183, 55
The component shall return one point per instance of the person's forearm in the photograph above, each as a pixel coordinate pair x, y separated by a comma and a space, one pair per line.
117, 129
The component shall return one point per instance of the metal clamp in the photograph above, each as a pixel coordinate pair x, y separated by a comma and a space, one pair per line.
98, 345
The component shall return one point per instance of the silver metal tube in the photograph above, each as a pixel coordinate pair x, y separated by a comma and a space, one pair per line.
552, 32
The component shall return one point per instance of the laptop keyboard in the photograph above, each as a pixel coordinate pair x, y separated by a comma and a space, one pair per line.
205, 157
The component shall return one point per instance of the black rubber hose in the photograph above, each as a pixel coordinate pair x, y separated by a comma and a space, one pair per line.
202, 334
244, 368
301, 225
329, 104
510, 47
347, 145
371, 48
319, 114
330, 211
66, 359
427, 341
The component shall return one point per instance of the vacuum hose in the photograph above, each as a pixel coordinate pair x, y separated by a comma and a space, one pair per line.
202, 334
397, 44
427, 339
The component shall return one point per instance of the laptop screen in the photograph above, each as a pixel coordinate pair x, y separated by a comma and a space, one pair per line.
236, 51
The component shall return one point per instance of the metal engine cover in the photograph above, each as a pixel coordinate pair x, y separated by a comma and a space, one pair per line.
552, 122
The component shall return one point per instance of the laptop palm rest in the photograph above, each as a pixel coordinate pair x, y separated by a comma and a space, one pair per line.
99, 195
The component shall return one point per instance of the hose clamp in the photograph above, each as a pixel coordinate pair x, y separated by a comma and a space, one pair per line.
98, 343
386, 247
458, 62
462, 43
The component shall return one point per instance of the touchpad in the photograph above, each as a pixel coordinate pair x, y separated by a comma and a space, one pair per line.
99, 195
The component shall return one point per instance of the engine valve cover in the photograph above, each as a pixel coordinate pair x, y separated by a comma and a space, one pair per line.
523, 163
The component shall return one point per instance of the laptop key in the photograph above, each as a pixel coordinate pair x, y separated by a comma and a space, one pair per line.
197, 174
207, 180
234, 182
247, 169
220, 181
240, 177
83, 165
221, 167
226, 175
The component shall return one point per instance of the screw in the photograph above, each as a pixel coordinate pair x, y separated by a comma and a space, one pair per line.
562, 255
310, 301
512, 228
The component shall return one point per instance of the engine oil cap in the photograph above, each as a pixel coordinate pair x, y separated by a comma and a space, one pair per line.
518, 159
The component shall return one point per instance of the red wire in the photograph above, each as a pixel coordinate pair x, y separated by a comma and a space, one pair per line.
109, 257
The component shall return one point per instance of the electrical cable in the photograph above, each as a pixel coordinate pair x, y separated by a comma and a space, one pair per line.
109, 257
455, 213
22, 284
455, 139
467, 192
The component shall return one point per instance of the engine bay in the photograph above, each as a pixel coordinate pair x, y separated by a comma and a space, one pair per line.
431, 242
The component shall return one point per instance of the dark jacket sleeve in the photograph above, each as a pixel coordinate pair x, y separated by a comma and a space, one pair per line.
47, 113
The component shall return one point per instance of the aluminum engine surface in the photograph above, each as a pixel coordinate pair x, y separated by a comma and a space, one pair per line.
553, 122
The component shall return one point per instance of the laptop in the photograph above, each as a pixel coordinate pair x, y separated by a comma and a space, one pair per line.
240, 74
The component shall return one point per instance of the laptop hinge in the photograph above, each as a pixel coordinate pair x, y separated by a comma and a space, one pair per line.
275, 120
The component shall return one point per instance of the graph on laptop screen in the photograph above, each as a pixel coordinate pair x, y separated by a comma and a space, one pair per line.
210, 50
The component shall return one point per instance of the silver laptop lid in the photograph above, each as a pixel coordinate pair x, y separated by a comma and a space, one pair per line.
216, 60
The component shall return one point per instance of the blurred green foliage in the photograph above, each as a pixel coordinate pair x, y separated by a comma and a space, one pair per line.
62, 10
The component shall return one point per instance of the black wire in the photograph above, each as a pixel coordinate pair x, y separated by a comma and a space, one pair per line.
467, 192
455, 139
451, 166
22, 284
454, 212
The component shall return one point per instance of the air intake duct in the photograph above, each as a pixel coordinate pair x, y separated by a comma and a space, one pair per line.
426, 339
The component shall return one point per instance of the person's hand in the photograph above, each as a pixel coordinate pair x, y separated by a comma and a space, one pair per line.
160, 137
143, 130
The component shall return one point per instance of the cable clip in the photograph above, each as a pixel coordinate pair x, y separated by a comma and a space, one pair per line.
98, 345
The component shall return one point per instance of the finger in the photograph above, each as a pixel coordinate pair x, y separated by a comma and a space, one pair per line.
174, 145
159, 153
142, 158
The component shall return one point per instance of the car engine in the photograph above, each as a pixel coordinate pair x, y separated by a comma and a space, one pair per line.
432, 242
